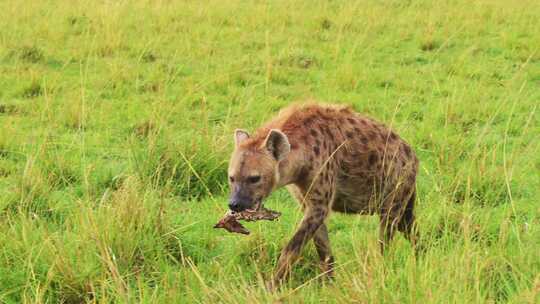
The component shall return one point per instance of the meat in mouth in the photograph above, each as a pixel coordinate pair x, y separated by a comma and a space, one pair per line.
230, 221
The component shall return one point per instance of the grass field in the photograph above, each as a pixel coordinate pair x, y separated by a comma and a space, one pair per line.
116, 121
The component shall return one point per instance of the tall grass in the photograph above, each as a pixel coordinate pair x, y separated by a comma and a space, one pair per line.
116, 121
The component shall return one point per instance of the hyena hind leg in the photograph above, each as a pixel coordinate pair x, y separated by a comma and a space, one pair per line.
407, 224
387, 229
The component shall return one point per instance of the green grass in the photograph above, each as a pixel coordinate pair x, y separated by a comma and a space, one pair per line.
116, 122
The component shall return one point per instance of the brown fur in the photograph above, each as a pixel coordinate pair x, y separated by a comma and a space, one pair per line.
338, 160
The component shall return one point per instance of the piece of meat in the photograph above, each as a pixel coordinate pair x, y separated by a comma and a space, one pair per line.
230, 221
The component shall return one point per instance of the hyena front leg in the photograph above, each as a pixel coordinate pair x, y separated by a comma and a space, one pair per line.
322, 244
320, 238
315, 213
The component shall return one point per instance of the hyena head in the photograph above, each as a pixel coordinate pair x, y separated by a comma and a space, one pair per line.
253, 168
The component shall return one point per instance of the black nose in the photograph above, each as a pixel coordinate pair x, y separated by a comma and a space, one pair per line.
235, 206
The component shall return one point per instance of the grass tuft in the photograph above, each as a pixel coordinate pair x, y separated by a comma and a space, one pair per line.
31, 54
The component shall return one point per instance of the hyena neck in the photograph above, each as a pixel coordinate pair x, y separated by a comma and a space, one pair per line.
290, 170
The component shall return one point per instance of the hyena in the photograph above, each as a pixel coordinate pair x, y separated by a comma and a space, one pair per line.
330, 158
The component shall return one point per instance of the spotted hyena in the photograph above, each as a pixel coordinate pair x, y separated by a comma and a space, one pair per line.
330, 158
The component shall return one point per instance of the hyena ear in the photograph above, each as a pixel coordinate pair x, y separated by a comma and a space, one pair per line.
277, 144
239, 136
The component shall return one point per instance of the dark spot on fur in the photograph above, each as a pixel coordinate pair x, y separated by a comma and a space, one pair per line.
297, 240
319, 213
315, 201
351, 120
407, 150
303, 174
316, 150
372, 158
393, 136
349, 134
313, 132
363, 140
328, 130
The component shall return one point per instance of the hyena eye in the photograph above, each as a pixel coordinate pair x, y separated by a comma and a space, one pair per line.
231, 179
254, 179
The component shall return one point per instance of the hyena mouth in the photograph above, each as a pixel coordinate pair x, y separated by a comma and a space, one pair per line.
256, 207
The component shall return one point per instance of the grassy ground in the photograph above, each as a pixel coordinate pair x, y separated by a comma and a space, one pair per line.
116, 122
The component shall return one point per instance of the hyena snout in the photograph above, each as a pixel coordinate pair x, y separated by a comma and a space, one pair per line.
239, 202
